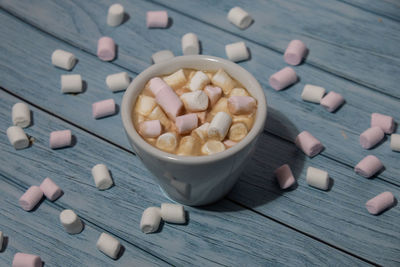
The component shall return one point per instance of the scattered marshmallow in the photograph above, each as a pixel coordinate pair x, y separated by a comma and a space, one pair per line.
317, 178
158, 114
239, 17
150, 129
108, 245
145, 104
310, 145
186, 123
385, 122
368, 166
229, 143
173, 213
60, 139
102, 177
212, 147
283, 78
71, 222
198, 81
103, 108
162, 56
151, 219
241, 105
214, 93
202, 131
284, 176
157, 19
380, 203
195, 101
26, 260
17, 137
30, 198
71, 83
115, 15
167, 142
237, 132
50, 189
312, 93
106, 48
118, 81
63, 59
238, 92
186, 146
332, 101
371, 137
21, 115
176, 79
219, 126
223, 80
190, 44
295, 52
237, 51
395, 142
166, 98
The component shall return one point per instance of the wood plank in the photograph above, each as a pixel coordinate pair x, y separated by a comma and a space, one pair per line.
221, 234
385, 8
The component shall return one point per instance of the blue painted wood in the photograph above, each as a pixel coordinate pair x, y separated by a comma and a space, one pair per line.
220, 234
385, 8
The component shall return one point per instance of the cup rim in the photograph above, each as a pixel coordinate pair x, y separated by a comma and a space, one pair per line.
135, 137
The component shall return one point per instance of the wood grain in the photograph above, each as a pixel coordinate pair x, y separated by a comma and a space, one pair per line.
385, 8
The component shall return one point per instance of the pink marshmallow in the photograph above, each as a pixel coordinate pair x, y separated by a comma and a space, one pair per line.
295, 52
30, 198
229, 143
380, 203
150, 129
106, 48
59, 139
383, 121
283, 78
157, 19
284, 176
186, 123
240, 105
103, 108
214, 93
169, 102
310, 145
50, 189
371, 137
26, 260
332, 101
156, 85
368, 166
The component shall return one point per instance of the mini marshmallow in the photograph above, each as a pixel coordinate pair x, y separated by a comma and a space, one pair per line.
221, 105
295, 52
1, 240
368, 166
106, 48
195, 101
145, 104
102, 177
50, 189
173, 213
312, 93
332, 101
167, 99
212, 147
385, 122
284, 176
380, 203
151, 219
21, 115
238, 92
186, 146
237, 132
63, 59
26, 260
30, 198
239, 17
214, 93
241, 105
17, 137
283, 78
150, 129
198, 81
202, 132
229, 143
158, 114
246, 119
71, 83
162, 56
60, 139
176, 79
190, 44
237, 51
186, 123
115, 15
371, 137
118, 81
310, 145
317, 178
157, 19
219, 126
103, 108
223, 80
71, 222
167, 142
202, 116
108, 245
395, 142
156, 84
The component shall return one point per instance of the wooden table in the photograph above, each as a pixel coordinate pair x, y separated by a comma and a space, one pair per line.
354, 50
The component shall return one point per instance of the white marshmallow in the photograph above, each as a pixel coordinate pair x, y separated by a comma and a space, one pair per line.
71, 83
212, 147
1, 240
115, 15
102, 177
202, 131
63, 59
167, 142
246, 119
145, 104
238, 92
195, 101
186, 146
223, 80
237, 132
237, 51
17, 137
108, 245
312, 93
317, 178
221, 105
395, 142
161, 56
219, 126
158, 114
150, 221
199, 81
71, 222
190, 44
21, 115
118, 81
176, 79
173, 213
239, 17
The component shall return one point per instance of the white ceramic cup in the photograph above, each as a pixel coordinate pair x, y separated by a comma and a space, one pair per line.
195, 180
